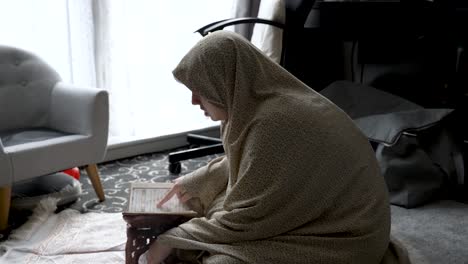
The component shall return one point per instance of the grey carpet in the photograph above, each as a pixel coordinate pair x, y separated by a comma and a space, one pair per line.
434, 233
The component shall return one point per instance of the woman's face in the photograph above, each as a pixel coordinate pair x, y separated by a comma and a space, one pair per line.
211, 110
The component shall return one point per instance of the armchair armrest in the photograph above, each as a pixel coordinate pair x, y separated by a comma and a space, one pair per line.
79, 110
219, 25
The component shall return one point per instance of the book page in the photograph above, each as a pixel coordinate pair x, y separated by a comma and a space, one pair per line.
144, 198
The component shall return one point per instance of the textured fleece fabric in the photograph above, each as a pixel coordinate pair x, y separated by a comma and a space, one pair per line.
299, 182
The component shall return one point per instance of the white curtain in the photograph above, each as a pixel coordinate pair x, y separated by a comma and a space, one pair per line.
128, 47
138, 44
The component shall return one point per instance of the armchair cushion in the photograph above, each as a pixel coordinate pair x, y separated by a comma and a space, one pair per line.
24, 136
38, 158
26, 194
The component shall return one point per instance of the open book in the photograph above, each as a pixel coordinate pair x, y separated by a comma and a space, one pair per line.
144, 198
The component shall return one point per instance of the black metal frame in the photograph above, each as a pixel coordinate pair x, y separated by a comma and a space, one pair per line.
207, 146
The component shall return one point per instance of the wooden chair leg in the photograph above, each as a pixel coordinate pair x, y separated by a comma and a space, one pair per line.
93, 174
5, 199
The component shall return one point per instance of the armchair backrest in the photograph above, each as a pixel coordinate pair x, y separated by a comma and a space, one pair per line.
26, 82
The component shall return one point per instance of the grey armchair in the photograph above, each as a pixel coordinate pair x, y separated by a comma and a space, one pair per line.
46, 125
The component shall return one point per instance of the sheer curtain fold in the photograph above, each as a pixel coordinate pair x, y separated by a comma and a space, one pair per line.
111, 67
269, 39
81, 42
245, 8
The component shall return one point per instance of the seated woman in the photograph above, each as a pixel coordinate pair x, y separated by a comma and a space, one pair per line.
299, 182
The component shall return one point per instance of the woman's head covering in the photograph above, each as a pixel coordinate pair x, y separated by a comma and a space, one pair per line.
299, 183
231, 73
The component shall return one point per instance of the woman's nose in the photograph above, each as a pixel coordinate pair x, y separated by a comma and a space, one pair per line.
195, 99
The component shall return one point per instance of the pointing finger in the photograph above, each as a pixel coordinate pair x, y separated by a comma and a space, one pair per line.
167, 197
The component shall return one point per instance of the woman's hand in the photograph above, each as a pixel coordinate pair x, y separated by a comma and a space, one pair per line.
178, 190
157, 253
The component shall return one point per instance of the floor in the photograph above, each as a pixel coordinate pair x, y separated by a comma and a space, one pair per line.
435, 233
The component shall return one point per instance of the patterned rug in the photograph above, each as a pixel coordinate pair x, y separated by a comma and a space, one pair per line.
116, 177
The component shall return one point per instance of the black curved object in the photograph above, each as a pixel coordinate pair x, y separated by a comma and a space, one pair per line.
220, 25
202, 29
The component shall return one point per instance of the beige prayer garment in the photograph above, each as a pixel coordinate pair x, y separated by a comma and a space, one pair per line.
299, 182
